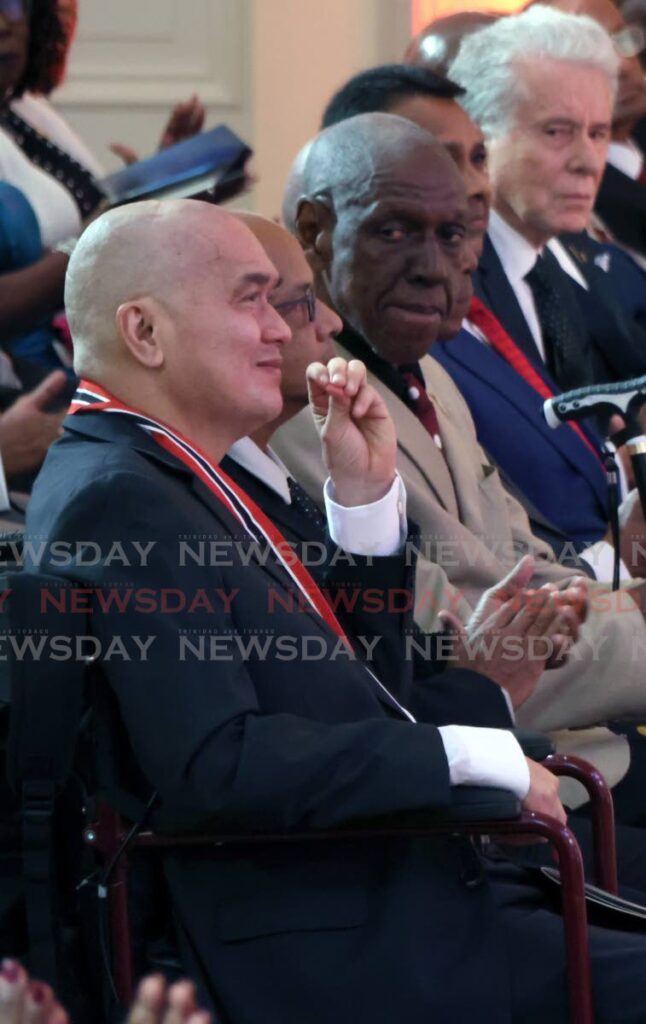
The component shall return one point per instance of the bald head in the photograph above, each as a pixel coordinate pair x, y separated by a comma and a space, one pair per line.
272, 236
294, 187
149, 249
168, 308
437, 45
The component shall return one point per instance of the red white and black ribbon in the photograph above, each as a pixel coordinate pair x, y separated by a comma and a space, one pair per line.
90, 397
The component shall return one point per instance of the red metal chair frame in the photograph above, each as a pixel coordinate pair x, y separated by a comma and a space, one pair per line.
602, 813
107, 836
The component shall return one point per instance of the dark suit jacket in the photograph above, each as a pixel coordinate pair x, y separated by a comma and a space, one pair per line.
554, 471
623, 275
357, 932
621, 204
431, 693
612, 345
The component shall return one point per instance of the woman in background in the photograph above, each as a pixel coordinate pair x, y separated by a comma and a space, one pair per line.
42, 157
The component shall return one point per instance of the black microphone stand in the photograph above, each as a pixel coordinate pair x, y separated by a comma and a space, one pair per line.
625, 398
632, 435
634, 438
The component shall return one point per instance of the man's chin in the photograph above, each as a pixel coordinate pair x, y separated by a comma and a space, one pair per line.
408, 347
572, 223
450, 328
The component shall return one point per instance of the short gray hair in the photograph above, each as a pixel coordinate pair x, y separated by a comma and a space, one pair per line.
488, 60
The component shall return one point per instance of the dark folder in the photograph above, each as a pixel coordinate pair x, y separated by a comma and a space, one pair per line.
604, 908
212, 163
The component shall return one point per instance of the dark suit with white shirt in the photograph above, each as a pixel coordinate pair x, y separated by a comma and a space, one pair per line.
612, 347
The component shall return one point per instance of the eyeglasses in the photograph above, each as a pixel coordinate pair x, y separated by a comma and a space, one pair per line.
298, 312
629, 41
15, 10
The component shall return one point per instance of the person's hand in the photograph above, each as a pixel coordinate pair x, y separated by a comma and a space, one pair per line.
27, 429
23, 1001
574, 596
515, 644
185, 120
543, 795
514, 633
356, 431
156, 1003
513, 583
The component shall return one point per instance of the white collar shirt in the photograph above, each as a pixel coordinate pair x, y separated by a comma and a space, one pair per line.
517, 257
627, 158
266, 466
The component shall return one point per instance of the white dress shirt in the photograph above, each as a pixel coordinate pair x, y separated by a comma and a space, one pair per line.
484, 757
518, 257
627, 157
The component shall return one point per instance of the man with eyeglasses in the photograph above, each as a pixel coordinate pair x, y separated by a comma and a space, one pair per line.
621, 201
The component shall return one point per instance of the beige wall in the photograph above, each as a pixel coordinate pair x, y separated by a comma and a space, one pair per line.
265, 67
303, 50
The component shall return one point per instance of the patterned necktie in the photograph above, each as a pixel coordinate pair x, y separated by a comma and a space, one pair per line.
564, 356
302, 502
505, 346
422, 405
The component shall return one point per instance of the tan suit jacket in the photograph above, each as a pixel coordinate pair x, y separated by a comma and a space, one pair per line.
473, 532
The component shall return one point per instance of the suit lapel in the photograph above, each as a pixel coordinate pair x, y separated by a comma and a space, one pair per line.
500, 379
492, 286
621, 204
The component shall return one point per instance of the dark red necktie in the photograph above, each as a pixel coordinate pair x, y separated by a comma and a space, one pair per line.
500, 341
422, 406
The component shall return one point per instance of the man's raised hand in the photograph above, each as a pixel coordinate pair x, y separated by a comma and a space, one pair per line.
357, 433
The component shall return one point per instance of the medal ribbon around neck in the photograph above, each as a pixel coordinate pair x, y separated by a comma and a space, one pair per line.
91, 397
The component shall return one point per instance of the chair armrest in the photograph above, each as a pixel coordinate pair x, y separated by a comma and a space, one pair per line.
481, 803
534, 744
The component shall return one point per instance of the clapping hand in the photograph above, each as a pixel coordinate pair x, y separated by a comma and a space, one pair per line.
515, 632
185, 120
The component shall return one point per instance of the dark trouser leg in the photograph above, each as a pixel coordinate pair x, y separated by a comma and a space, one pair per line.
536, 949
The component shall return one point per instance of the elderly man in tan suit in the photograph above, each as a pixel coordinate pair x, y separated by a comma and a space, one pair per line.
381, 218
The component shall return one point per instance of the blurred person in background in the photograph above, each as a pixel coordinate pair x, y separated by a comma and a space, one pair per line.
437, 45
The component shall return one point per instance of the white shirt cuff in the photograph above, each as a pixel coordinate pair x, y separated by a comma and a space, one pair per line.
377, 529
510, 706
5, 504
485, 757
601, 556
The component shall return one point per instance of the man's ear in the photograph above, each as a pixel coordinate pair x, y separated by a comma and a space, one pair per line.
138, 323
314, 226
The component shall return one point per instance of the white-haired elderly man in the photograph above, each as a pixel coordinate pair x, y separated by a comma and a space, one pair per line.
541, 85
